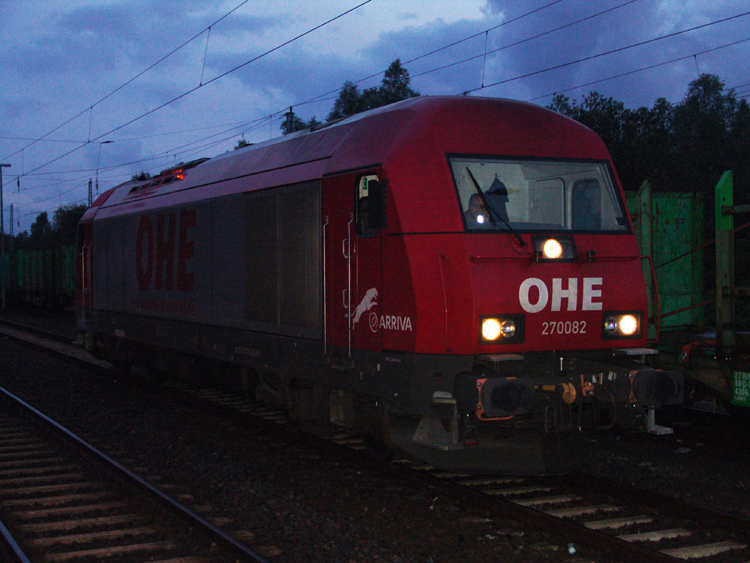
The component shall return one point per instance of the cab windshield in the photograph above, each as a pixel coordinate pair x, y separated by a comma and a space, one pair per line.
534, 195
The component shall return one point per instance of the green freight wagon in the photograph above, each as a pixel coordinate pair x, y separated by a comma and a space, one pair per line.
43, 277
697, 302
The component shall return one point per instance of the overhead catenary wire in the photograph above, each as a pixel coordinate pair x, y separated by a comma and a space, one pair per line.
486, 31
161, 155
128, 82
434, 51
324, 96
637, 70
195, 150
528, 39
609, 52
216, 78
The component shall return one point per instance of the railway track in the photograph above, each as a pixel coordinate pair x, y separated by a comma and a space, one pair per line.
603, 516
62, 501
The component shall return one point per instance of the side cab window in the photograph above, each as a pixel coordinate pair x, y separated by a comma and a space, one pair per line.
370, 205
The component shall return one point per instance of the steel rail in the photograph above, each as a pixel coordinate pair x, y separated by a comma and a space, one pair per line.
9, 549
221, 538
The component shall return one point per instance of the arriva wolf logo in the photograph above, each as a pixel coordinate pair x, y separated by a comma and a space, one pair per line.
378, 322
367, 303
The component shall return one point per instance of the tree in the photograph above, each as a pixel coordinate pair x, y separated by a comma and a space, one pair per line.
40, 230
605, 116
562, 104
617, 126
645, 144
702, 133
140, 177
739, 151
394, 87
294, 123
349, 102
241, 143
62, 230
65, 223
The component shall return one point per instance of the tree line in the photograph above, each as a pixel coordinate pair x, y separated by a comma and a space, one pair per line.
681, 147
395, 86
49, 233
684, 146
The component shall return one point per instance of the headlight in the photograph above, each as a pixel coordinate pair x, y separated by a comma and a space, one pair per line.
628, 325
508, 328
610, 325
552, 249
490, 329
621, 325
502, 329
558, 248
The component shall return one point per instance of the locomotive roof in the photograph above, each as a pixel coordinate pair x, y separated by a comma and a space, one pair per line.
450, 124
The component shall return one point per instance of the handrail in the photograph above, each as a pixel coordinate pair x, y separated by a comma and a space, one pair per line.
348, 256
325, 291
701, 247
658, 301
689, 308
442, 259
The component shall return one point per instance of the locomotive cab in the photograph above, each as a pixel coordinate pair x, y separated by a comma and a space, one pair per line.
559, 314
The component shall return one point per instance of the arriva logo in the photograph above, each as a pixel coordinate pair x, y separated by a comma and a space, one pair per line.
376, 322
590, 294
367, 303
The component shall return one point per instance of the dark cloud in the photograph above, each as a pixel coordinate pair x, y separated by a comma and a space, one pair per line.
617, 29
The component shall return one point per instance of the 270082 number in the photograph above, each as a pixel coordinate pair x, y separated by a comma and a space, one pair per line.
564, 327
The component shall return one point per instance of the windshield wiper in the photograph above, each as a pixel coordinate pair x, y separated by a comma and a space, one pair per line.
493, 211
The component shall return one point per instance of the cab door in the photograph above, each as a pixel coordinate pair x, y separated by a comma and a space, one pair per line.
353, 211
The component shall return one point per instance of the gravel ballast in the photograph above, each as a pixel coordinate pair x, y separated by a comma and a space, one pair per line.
294, 503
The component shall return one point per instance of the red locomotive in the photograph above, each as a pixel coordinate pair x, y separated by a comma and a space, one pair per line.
458, 276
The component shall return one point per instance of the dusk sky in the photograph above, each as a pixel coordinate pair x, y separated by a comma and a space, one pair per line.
110, 88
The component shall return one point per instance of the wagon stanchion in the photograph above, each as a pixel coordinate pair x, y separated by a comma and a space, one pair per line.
727, 338
726, 291
2, 236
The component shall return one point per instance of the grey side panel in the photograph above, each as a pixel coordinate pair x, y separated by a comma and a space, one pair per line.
222, 262
283, 265
108, 265
152, 263
100, 265
261, 247
226, 269
130, 294
299, 258
115, 269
